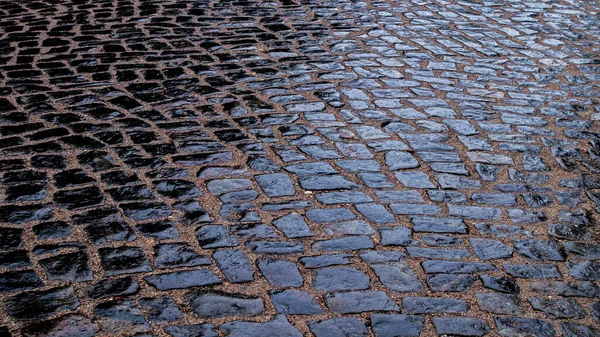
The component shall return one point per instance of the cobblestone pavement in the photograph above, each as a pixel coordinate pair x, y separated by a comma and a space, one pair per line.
299, 168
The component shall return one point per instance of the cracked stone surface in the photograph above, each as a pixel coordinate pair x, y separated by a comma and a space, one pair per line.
299, 168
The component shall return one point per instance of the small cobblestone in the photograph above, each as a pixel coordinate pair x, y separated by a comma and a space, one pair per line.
299, 168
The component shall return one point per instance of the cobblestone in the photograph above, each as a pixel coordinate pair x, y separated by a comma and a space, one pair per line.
299, 168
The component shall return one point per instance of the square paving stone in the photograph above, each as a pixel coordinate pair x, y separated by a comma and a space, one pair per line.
160, 309
280, 273
235, 265
276, 184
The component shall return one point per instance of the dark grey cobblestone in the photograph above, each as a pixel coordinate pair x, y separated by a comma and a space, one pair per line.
342, 327
299, 168
212, 305
295, 302
516, 326
460, 326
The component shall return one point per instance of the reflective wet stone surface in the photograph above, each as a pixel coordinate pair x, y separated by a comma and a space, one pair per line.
299, 168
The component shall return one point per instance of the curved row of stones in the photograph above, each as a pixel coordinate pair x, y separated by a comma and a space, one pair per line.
289, 168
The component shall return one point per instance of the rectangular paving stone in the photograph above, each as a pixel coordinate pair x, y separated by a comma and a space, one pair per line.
342, 244
536, 271
357, 302
452, 267
41, 304
332, 198
489, 158
389, 325
399, 196
475, 212
426, 305
465, 326
182, 279
421, 209
438, 225
414, 179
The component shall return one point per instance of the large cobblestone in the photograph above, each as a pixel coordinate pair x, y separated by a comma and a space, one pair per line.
299, 167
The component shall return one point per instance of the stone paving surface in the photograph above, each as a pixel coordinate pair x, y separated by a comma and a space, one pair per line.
299, 168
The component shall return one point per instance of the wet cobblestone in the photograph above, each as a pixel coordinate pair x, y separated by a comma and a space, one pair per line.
299, 168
